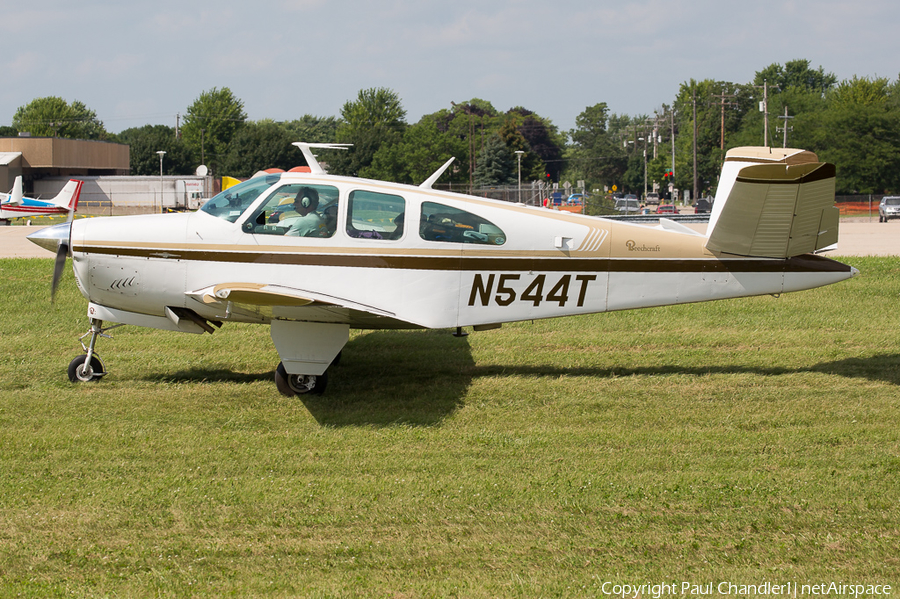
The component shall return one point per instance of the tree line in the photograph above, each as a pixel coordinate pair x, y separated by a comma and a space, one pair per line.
853, 123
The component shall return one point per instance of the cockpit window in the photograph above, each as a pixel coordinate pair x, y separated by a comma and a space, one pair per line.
232, 202
297, 210
444, 223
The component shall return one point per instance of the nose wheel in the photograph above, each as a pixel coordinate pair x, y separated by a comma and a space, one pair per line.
89, 367
82, 370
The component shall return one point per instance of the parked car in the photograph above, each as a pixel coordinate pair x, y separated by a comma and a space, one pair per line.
702, 206
653, 198
577, 199
888, 208
627, 205
666, 209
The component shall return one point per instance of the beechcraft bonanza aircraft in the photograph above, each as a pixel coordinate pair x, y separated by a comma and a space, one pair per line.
13, 205
313, 255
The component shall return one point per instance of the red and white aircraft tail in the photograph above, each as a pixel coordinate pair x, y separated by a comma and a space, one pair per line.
68, 197
15, 205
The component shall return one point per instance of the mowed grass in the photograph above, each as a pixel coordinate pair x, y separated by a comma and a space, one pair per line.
746, 441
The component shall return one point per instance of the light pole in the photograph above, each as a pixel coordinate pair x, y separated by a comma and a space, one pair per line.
644, 139
161, 154
519, 157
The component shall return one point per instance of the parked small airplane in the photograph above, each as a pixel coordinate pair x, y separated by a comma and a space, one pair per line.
14, 205
313, 255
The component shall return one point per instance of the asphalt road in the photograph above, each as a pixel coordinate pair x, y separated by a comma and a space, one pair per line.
857, 237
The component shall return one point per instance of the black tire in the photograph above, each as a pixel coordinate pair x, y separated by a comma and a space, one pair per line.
291, 385
78, 373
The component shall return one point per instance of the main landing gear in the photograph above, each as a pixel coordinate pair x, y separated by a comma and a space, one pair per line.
290, 385
89, 367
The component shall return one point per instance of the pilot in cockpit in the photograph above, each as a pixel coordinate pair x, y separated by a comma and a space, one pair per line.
309, 223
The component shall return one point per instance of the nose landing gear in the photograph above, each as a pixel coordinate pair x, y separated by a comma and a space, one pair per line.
89, 367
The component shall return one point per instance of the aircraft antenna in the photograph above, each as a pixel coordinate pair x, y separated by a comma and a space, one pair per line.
311, 161
437, 175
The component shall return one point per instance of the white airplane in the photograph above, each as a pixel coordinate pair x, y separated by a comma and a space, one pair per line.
313, 255
14, 205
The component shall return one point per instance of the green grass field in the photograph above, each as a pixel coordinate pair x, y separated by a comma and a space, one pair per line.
745, 441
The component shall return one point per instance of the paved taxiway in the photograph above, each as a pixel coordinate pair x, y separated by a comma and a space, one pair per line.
857, 237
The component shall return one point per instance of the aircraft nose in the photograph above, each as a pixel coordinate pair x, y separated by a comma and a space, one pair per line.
50, 237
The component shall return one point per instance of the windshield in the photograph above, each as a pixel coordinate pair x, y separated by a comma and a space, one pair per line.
892, 201
232, 202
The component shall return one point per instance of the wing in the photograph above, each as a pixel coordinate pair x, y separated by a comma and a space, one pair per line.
266, 302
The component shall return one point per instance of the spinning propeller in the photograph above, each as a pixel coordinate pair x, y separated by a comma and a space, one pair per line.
62, 252
56, 238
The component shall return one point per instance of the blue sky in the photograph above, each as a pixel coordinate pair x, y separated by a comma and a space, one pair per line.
140, 63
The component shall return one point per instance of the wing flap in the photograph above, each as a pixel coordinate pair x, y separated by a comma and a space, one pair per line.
261, 295
778, 211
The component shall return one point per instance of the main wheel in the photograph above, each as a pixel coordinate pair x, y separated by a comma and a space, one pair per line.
79, 372
290, 385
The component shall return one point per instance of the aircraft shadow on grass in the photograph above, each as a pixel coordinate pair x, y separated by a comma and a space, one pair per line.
384, 378
882, 367
421, 378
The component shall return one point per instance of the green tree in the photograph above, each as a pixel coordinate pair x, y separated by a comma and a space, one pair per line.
258, 146
210, 124
794, 88
795, 74
473, 122
703, 99
860, 133
375, 118
496, 165
538, 139
54, 117
313, 129
144, 143
596, 154
423, 149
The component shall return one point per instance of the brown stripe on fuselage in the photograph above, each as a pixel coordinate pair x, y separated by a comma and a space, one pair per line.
805, 263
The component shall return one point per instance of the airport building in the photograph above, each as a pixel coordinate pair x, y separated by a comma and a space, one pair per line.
36, 158
47, 163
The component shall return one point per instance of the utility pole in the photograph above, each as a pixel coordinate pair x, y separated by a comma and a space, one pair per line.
672, 121
785, 128
694, 101
723, 104
764, 108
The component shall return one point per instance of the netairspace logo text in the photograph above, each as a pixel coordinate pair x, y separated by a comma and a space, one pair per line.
768, 589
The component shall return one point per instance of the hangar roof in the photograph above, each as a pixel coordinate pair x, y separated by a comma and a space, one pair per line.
6, 158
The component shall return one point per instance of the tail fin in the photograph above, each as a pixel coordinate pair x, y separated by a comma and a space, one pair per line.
15, 197
68, 197
773, 203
